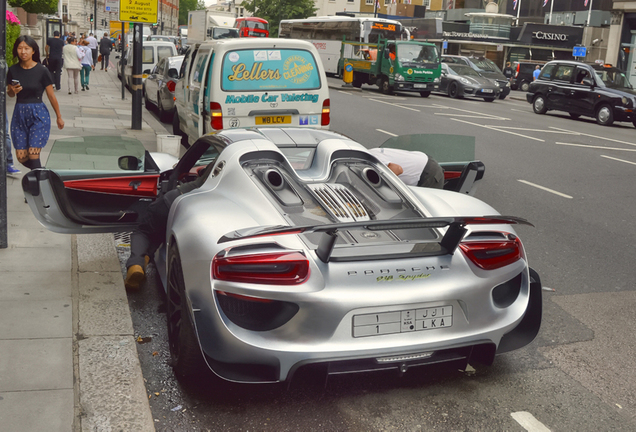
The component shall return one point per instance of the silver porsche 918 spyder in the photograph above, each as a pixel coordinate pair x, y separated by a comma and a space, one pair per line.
302, 249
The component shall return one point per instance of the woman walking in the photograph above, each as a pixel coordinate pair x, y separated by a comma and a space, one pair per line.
105, 46
72, 56
87, 64
31, 122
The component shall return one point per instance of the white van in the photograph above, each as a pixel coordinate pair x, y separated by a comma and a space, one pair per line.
238, 83
152, 52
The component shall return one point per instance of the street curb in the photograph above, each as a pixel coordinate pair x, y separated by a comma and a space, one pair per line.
343, 88
112, 392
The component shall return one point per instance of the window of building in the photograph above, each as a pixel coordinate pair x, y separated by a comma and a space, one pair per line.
369, 2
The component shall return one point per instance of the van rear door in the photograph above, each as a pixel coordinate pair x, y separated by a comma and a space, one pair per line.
196, 110
268, 87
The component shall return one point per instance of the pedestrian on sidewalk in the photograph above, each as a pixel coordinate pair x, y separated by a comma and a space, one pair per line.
72, 56
92, 44
87, 64
31, 122
105, 46
11, 170
54, 47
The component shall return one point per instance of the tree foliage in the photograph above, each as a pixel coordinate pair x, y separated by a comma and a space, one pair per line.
13, 32
36, 6
186, 6
276, 10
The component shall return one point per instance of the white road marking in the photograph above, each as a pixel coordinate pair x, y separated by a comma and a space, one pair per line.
594, 136
533, 130
388, 133
472, 116
593, 146
498, 130
479, 114
522, 111
544, 188
345, 92
617, 159
396, 105
528, 422
384, 97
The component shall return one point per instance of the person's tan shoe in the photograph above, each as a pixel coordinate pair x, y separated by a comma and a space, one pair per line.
135, 275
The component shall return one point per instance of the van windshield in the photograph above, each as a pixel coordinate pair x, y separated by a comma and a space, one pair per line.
273, 69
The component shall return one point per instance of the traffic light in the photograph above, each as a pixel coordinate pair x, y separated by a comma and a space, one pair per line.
92, 18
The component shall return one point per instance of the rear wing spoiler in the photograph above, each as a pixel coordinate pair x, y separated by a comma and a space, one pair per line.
448, 244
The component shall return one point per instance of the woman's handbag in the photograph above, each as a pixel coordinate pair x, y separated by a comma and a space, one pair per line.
99, 58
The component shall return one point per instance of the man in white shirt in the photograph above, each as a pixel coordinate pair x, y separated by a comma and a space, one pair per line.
414, 168
92, 44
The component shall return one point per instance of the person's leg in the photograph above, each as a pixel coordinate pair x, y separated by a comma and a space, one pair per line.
432, 175
38, 133
105, 60
76, 79
94, 52
70, 80
58, 73
82, 76
19, 135
150, 234
88, 75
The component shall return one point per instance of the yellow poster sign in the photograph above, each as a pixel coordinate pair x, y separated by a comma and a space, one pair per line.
140, 11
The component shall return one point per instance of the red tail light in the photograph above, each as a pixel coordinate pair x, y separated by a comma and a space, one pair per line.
325, 113
493, 254
216, 114
280, 268
171, 86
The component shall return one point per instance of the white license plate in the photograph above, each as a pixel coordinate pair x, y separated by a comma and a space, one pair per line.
403, 321
420, 85
486, 90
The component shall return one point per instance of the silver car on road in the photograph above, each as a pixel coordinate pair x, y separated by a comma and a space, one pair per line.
160, 85
302, 249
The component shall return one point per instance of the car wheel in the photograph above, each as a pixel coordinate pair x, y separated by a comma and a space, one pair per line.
574, 116
185, 353
386, 87
147, 103
538, 105
604, 115
453, 91
425, 94
162, 112
524, 86
176, 130
489, 99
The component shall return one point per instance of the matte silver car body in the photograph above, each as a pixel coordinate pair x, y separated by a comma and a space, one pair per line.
382, 275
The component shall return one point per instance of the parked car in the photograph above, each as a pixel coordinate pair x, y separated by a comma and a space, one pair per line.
486, 68
580, 89
160, 85
152, 52
173, 39
523, 74
301, 248
460, 80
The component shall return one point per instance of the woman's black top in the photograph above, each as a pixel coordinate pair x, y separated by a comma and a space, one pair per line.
33, 82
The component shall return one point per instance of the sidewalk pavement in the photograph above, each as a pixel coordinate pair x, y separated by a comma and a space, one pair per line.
68, 356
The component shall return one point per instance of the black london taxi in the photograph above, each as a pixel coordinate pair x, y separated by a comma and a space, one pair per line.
581, 89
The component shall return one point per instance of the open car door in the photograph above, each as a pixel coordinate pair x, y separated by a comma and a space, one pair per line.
93, 185
454, 153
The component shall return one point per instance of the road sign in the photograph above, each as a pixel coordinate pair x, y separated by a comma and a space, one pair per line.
445, 45
139, 11
111, 5
579, 51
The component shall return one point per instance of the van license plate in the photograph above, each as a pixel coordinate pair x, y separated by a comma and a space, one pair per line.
270, 120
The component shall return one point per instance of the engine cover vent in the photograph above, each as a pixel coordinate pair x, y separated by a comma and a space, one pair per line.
340, 202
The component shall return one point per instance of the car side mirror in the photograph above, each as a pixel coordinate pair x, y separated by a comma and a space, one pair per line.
444, 73
147, 71
128, 163
117, 56
588, 81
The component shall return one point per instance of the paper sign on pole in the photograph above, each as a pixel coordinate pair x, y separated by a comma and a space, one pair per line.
140, 11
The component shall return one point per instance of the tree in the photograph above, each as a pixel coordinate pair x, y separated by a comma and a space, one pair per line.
186, 6
276, 10
36, 6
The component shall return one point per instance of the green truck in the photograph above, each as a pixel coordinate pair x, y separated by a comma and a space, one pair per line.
393, 65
